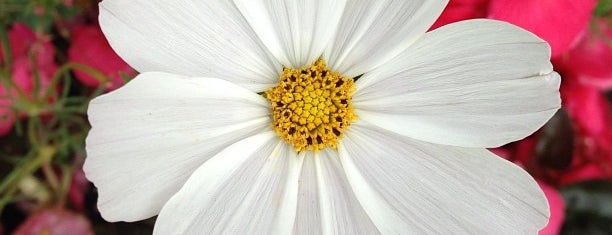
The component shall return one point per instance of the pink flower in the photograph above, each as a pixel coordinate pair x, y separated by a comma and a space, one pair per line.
89, 47
586, 105
32, 58
55, 221
592, 159
557, 210
559, 22
590, 59
584, 173
78, 187
458, 10
33, 55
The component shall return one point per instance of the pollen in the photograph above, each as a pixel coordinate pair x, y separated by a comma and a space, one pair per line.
312, 106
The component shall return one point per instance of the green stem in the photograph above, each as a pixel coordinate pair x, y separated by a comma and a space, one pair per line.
62, 193
70, 66
51, 177
9, 185
6, 50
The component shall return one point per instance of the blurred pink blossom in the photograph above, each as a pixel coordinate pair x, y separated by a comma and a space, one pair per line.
559, 22
33, 56
557, 210
78, 188
89, 47
458, 10
32, 60
590, 113
55, 221
590, 60
592, 159
586, 105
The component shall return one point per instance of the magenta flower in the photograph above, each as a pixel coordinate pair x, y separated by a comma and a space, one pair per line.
89, 47
557, 210
590, 60
458, 10
32, 59
559, 22
55, 221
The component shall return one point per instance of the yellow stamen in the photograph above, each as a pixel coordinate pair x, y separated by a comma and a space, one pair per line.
311, 106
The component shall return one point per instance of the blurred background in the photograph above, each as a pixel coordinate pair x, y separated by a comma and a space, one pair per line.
54, 59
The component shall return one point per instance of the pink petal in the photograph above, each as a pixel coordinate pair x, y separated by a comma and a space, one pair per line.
502, 152
559, 22
25, 45
592, 159
585, 173
20, 37
78, 187
590, 58
458, 10
557, 210
586, 105
91, 48
524, 150
55, 221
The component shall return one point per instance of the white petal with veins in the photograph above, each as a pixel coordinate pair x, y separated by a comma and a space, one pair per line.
295, 31
207, 38
373, 32
249, 188
150, 135
411, 187
326, 202
478, 83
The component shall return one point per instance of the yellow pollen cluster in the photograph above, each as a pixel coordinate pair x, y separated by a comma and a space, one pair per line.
311, 106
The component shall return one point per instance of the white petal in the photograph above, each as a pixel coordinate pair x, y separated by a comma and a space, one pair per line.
413, 187
295, 31
326, 203
150, 135
372, 32
478, 83
248, 188
195, 38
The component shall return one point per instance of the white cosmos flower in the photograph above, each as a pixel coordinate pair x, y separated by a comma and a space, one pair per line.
191, 139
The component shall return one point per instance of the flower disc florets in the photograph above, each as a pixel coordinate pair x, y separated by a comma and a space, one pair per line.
311, 106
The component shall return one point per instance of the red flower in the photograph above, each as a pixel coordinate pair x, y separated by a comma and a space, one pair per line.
559, 22
89, 47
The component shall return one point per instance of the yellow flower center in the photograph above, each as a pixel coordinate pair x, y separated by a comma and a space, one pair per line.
311, 106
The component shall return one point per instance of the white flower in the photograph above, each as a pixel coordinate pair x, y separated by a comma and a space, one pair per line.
192, 137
